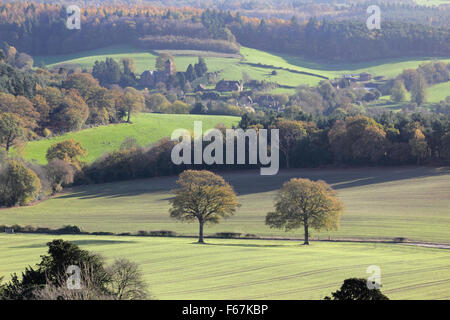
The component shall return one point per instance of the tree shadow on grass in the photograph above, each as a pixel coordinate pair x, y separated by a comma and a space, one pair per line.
250, 181
240, 245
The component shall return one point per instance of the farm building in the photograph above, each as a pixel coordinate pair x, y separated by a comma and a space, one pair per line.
224, 86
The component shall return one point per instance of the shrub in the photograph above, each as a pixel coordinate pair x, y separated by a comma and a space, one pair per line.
227, 234
356, 289
162, 233
60, 173
68, 230
102, 233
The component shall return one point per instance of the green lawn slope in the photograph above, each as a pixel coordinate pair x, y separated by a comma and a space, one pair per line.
146, 128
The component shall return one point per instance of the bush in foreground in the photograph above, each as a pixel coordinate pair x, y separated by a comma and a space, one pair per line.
49, 279
356, 289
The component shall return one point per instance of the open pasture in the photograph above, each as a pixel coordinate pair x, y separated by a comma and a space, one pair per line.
380, 203
178, 268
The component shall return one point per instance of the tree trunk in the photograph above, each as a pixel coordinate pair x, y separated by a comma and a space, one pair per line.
200, 233
9, 142
306, 233
129, 111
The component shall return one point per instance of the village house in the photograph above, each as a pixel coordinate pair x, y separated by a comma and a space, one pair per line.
224, 86
365, 76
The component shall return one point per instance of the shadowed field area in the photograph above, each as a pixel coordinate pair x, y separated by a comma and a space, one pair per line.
177, 268
380, 203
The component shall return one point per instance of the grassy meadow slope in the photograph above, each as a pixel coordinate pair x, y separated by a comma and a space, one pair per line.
177, 268
438, 92
146, 128
232, 66
410, 202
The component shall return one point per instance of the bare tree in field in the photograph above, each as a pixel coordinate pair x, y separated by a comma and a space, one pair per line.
203, 196
302, 202
126, 282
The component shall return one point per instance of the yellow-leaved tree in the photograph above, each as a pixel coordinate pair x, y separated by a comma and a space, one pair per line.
203, 196
302, 202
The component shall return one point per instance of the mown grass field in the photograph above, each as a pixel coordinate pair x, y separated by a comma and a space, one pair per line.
432, 2
146, 128
232, 66
380, 203
177, 268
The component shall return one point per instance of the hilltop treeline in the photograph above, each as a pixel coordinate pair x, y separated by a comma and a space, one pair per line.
393, 10
344, 40
40, 29
387, 139
181, 43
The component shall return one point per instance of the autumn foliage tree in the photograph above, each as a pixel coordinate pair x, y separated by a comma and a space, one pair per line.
290, 133
133, 101
18, 184
419, 90
302, 202
398, 92
69, 151
358, 139
161, 60
11, 130
203, 196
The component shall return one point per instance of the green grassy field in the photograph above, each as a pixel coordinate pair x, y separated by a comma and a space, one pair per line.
177, 268
232, 66
432, 2
435, 94
229, 65
389, 67
146, 128
380, 203
438, 92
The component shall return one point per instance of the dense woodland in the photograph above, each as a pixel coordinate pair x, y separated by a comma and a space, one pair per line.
40, 29
397, 10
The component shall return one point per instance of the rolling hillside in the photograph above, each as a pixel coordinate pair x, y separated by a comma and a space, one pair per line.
232, 66
146, 128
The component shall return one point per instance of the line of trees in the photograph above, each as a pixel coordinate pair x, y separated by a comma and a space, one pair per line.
348, 41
